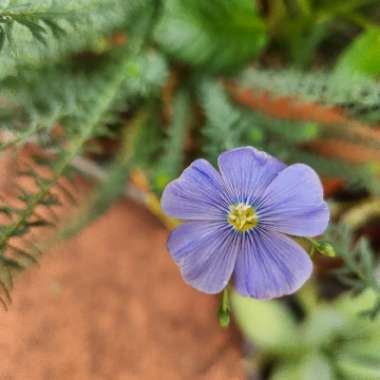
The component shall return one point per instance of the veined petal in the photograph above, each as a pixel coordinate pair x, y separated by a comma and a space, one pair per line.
247, 172
270, 265
293, 203
196, 195
206, 254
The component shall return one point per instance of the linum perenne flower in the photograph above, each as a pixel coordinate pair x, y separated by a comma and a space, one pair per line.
237, 223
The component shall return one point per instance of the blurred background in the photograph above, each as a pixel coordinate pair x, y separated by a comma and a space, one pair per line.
102, 103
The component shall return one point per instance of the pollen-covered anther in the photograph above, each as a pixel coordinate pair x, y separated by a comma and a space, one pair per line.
242, 217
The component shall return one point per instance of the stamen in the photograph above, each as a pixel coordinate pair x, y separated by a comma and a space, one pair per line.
242, 216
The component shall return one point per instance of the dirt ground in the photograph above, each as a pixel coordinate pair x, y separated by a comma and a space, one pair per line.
110, 305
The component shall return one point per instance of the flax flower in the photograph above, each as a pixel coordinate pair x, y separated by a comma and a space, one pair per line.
238, 223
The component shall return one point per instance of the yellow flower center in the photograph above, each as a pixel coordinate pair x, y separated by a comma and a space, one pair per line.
242, 217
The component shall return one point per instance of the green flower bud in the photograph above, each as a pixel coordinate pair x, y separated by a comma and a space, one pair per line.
224, 317
326, 249
224, 309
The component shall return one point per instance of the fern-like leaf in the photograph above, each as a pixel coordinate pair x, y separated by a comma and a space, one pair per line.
359, 270
26, 217
58, 27
358, 95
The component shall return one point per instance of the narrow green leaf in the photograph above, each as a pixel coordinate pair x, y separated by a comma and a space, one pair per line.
362, 56
2, 37
37, 30
55, 28
23, 256
40, 223
5, 275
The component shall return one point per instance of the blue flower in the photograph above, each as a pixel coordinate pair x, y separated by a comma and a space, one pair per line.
237, 222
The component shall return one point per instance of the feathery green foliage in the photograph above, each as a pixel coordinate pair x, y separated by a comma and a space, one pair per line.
358, 95
357, 176
222, 128
359, 272
45, 31
172, 158
24, 218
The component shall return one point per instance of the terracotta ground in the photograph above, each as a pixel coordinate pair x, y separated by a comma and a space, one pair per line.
110, 305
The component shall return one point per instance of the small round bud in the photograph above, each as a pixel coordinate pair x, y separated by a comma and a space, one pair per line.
224, 318
326, 249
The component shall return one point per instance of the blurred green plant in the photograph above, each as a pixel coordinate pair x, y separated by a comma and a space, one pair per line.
331, 341
359, 271
217, 36
44, 31
300, 27
362, 56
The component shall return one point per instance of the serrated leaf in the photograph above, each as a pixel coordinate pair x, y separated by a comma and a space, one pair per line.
267, 324
219, 36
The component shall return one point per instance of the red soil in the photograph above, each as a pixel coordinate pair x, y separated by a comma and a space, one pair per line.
110, 304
